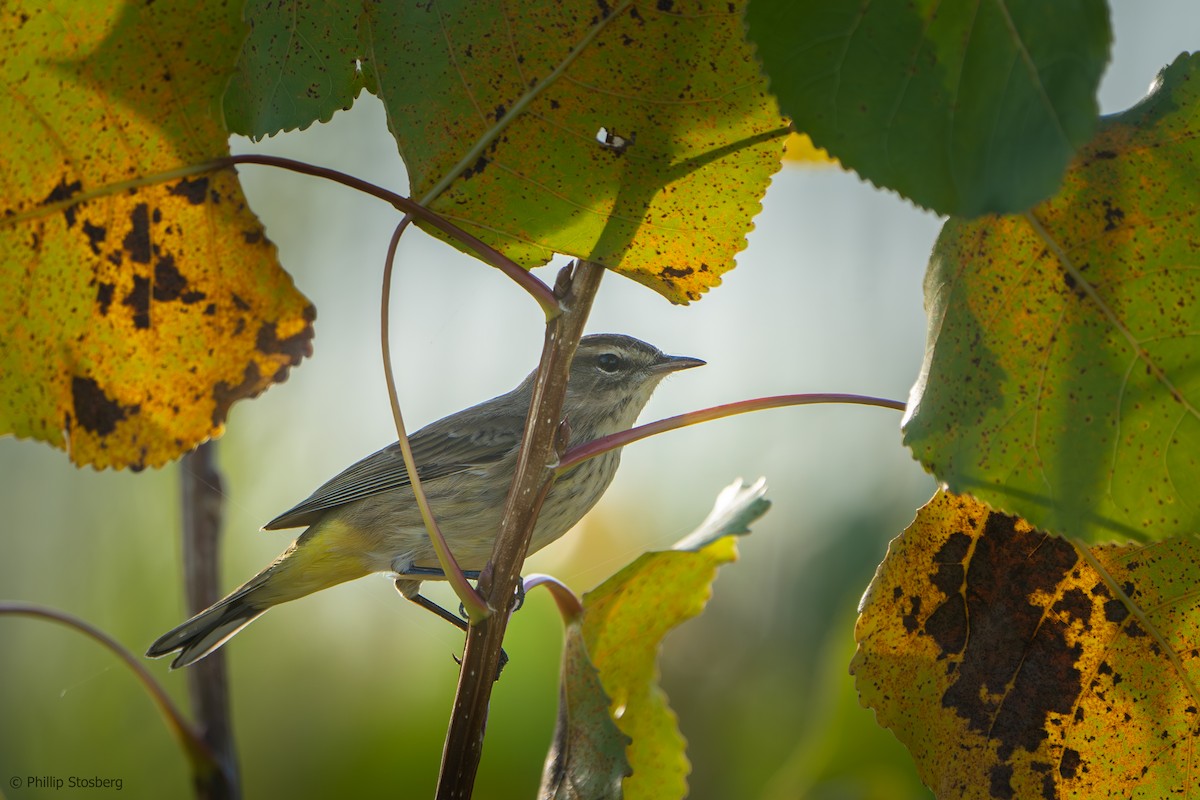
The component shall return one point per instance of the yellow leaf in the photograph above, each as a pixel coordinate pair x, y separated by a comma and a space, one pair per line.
1012, 664
799, 149
138, 298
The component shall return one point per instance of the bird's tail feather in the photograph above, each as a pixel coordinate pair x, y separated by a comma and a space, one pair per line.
209, 629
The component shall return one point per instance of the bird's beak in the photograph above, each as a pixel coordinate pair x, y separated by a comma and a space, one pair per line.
675, 363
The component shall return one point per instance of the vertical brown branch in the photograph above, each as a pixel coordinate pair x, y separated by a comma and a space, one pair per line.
535, 469
208, 680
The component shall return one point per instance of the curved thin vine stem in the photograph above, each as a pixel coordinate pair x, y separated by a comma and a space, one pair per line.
202, 758
471, 599
576, 455
533, 285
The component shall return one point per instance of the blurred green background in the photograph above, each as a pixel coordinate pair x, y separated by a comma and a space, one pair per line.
347, 692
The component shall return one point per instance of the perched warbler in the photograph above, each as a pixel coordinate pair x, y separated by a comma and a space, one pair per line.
366, 519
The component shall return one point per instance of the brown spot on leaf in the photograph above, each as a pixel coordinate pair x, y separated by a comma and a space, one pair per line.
1017, 667
65, 191
194, 190
137, 241
169, 283
1000, 781
95, 411
104, 297
96, 234
1069, 764
677, 272
225, 395
138, 300
295, 347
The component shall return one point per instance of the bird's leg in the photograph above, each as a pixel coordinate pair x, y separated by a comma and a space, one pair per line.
433, 573
458, 622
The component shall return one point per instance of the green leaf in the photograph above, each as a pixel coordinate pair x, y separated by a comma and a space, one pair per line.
1060, 380
497, 108
963, 107
298, 66
625, 620
139, 296
1013, 664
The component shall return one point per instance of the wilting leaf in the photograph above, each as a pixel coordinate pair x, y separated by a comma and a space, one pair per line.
587, 758
625, 620
136, 305
1013, 665
1061, 378
966, 108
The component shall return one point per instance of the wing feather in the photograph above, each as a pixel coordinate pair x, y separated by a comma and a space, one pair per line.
440, 449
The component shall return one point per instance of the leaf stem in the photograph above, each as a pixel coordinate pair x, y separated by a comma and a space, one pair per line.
533, 285
576, 455
208, 681
204, 762
569, 606
471, 599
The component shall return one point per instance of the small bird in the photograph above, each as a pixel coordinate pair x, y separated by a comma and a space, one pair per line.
366, 519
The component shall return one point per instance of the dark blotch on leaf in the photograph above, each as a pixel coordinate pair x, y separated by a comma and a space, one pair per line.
95, 411
912, 620
194, 190
295, 347
1069, 764
476, 169
225, 395
104, 297
95, 234
65, 191
1013, 640
169, 283
1113, 216
138, 300
137, 241
1115, 611
1000, 781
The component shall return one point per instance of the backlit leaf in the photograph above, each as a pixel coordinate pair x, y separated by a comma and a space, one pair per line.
298, 66
625, 620
639, 135
136, 304
1062, 368
965, 107
1013, 665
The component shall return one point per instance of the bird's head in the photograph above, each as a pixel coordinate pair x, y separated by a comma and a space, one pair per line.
611, 380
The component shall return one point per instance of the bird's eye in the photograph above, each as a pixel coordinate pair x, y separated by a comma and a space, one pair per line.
608, 362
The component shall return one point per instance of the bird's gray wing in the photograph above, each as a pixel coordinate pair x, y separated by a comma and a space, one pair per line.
445, 447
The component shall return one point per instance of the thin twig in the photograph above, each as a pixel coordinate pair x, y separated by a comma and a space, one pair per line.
534, 474
199, 754
471, 600
208, 680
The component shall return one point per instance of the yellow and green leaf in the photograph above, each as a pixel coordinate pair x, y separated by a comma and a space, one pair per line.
637, 135
139, 296
1060, 380
625, 620
1012, 663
